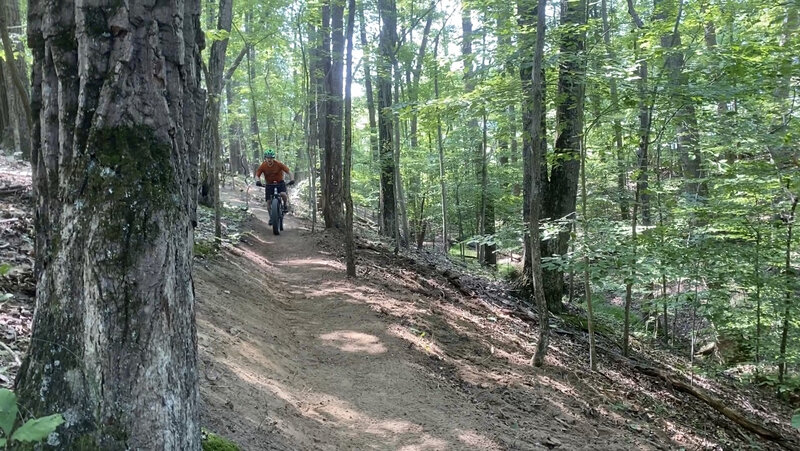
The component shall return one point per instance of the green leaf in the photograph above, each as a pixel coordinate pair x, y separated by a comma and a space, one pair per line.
8, 410
796, 421
2, 442
37, 429
217, 35
4, 269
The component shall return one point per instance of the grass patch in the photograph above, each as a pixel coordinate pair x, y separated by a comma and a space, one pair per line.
609, 319
204, 248
509, 272
214, 442
232, 222
455, 251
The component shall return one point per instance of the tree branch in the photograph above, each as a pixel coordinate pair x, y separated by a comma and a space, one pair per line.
236, 62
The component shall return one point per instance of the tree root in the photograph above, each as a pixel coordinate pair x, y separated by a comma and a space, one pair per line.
8, 190
717, 404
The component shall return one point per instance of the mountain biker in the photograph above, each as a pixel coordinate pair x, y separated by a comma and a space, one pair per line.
273, 170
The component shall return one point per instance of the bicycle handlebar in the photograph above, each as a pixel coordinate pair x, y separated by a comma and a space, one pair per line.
258, 183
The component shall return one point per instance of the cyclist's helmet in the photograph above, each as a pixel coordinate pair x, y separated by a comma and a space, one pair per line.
269, 153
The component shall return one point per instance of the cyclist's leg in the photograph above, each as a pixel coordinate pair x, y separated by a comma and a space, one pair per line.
284, 196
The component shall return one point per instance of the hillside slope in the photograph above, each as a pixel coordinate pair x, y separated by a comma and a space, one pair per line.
296, 356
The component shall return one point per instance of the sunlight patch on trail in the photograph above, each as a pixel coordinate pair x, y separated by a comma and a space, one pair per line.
255, 257
474, 440
351, 341
331, 411
430, 443
418, 339
305, 262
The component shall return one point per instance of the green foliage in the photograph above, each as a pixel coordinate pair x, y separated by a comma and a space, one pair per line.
214, 442
203, 249
8, 411
796, 420
509, 272
217, 35
37, 429
33, 430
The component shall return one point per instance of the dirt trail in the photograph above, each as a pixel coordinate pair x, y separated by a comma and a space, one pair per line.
294, 359
295, 356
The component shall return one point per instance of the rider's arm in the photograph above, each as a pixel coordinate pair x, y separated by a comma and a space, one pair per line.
259, 171
285, 169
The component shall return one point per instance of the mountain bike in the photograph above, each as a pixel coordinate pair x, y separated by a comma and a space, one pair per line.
277, 208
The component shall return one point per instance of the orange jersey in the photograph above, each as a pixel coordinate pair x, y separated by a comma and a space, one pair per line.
273, 173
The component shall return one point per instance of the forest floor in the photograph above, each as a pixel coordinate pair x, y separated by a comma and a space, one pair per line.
413, 354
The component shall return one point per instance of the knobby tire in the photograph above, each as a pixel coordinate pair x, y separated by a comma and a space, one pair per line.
275, 216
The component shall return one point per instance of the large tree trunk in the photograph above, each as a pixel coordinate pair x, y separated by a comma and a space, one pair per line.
6, 129
117, 109
488, 255
255, 132
526, 13
373, 127
537, 157
237, 154
323, 60
622, 179
332, 193
710, 34
472, 125
312, 124
402, 212
235, 134
686, 128
413, 91
642, 152
210, 150
790, 290
373, 124
440, 146
16, 80
348, 149
388, 40
562, 189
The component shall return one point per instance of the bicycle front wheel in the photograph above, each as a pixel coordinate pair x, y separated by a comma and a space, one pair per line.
275, 216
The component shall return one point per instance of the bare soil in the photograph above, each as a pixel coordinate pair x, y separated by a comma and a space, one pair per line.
410, 355
297, 356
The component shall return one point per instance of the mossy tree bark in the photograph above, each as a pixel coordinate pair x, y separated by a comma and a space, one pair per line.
117, 108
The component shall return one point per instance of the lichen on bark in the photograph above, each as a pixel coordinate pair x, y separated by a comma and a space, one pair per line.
129, 177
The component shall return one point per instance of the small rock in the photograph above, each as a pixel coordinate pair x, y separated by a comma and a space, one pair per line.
552, 442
